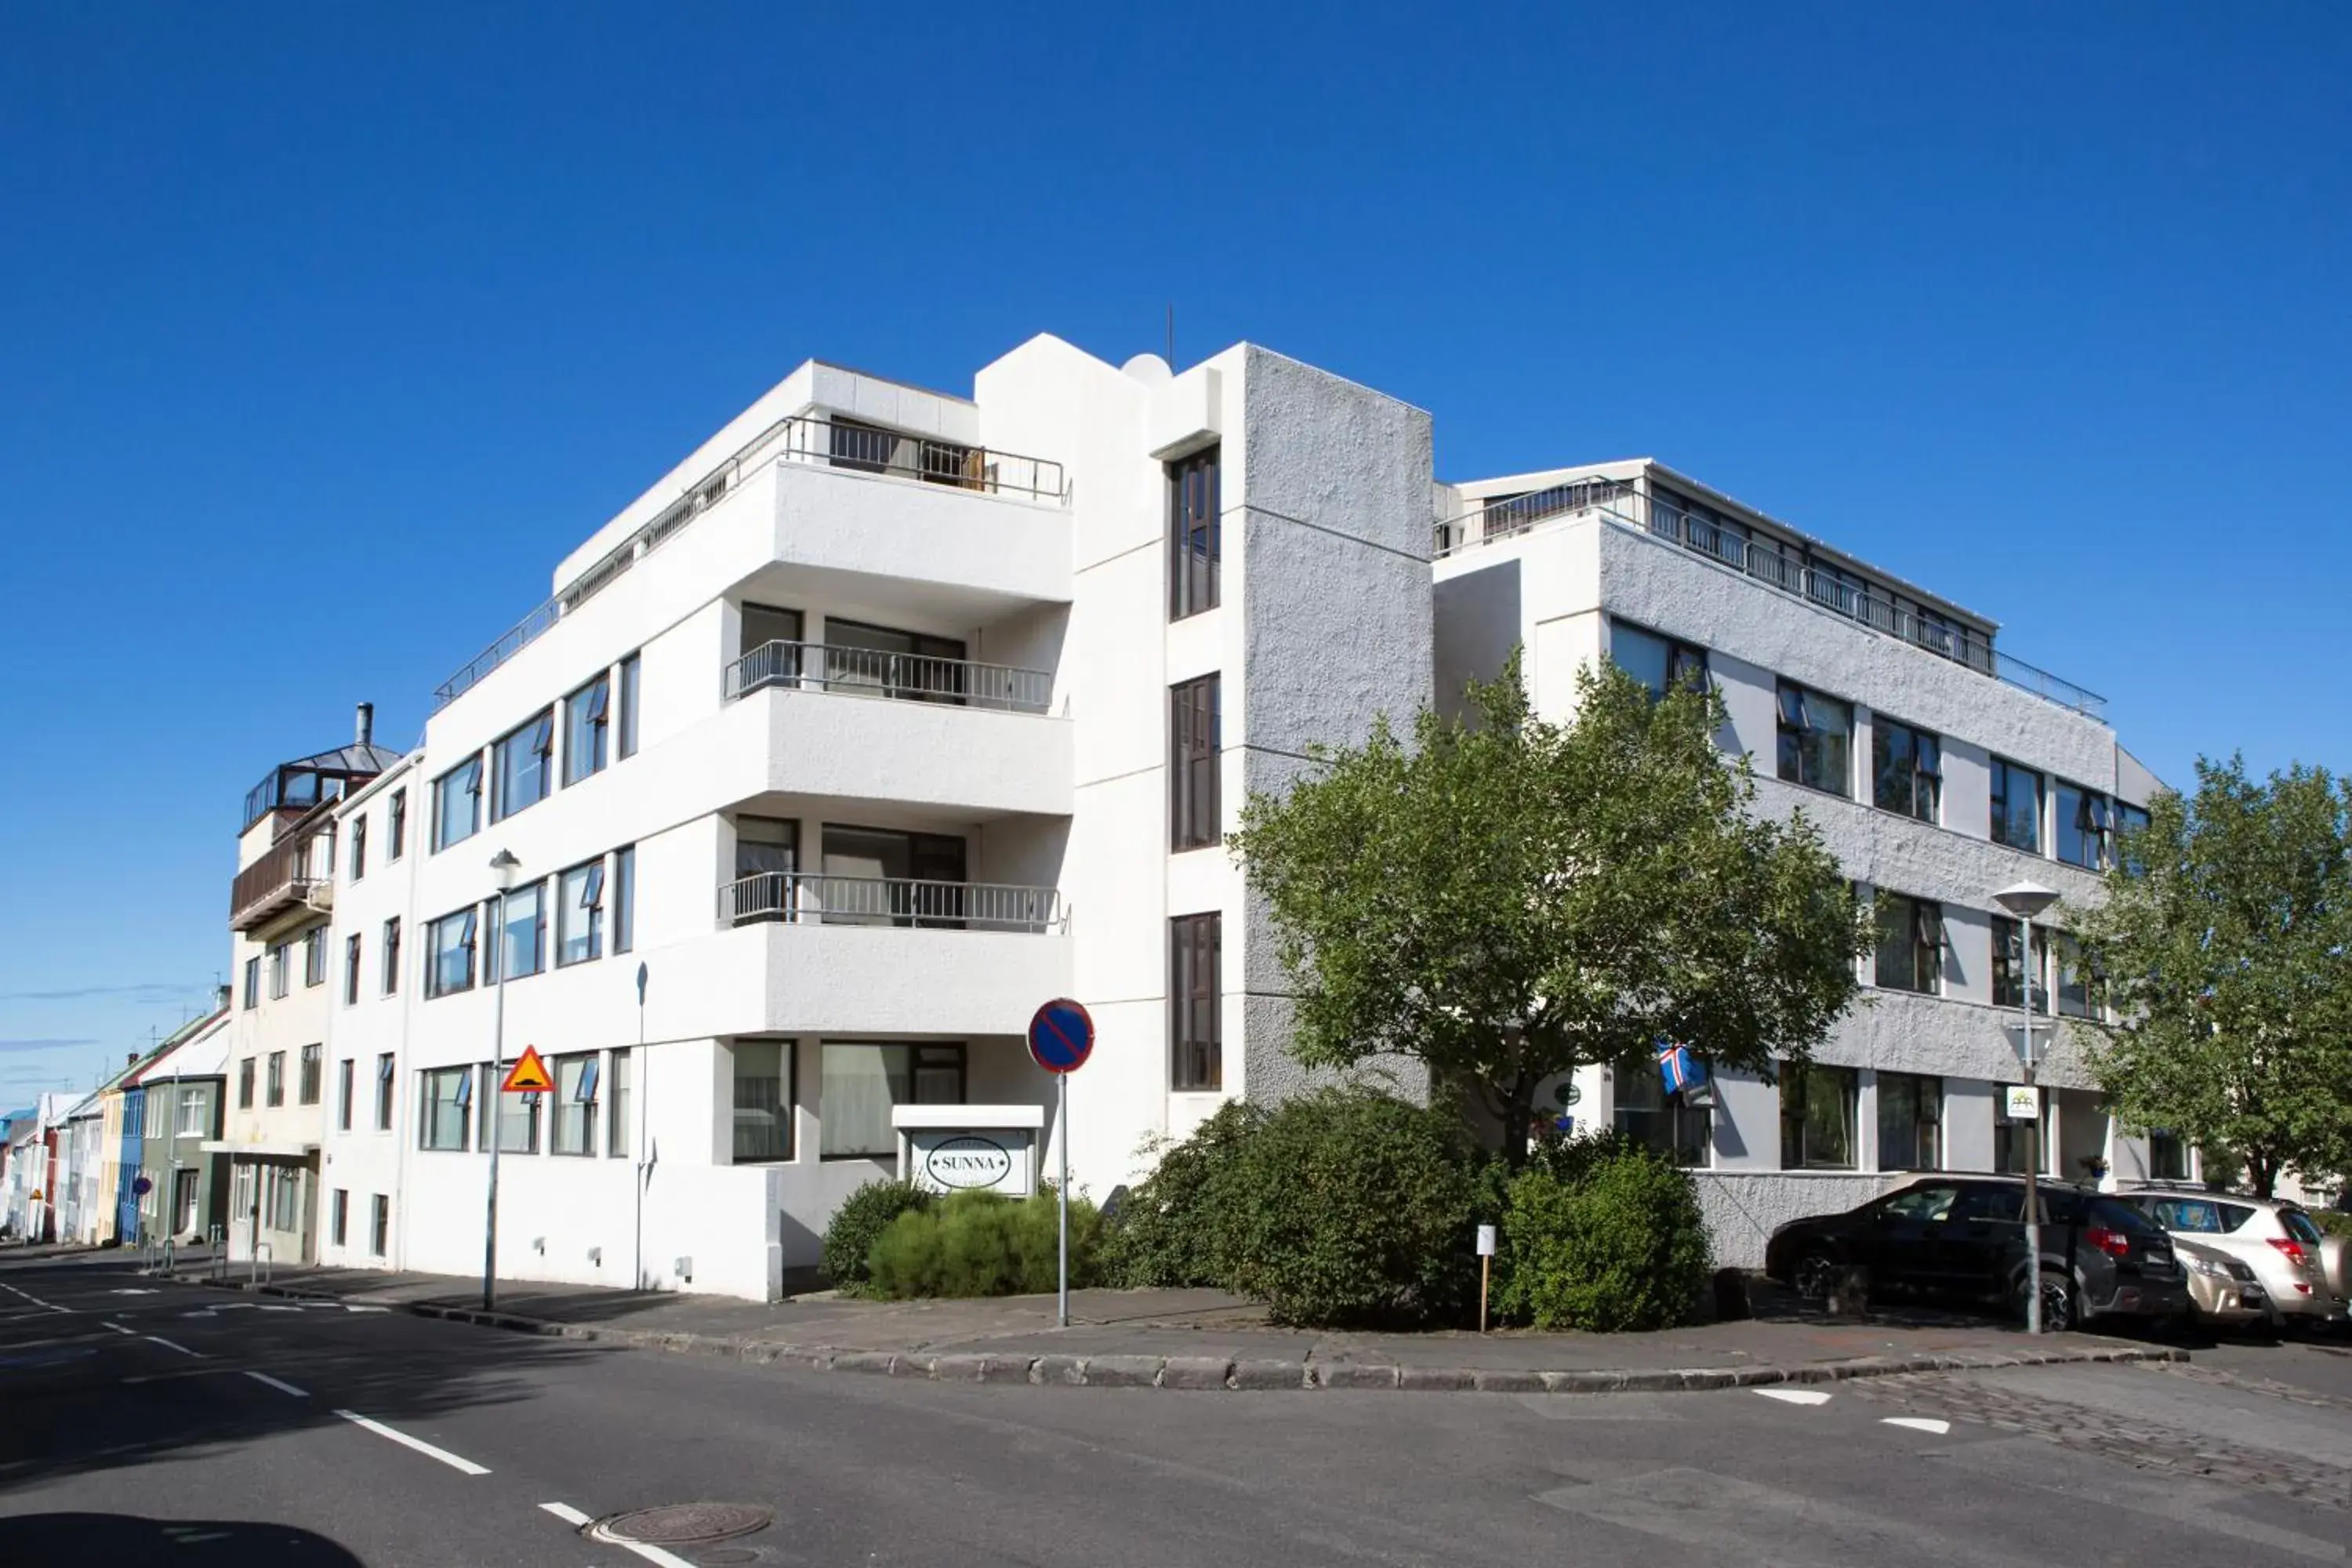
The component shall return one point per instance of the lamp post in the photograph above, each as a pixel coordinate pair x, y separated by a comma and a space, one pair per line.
2024, 900
503, 866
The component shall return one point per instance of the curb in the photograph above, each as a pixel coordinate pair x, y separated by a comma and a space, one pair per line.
1245, 1374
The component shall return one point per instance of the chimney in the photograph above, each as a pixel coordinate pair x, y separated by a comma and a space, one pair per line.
220, 997
367, 724
130, 1059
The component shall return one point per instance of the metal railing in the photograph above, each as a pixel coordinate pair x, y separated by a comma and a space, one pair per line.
798, 897
798, 439
296, 868
876, 672
264, 1264
1770, 561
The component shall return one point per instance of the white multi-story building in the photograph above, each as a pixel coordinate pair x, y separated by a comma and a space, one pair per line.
884, 719
1939, 768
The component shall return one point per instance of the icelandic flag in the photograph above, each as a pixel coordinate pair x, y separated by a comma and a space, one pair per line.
1679, 1071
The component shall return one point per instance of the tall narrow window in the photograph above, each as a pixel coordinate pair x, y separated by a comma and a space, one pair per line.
2009, 965
1910, 942
624, 894
1816, 734
314, 956
522, 760
1195, 1030
2167, 1156
1907, 769
380, 1224
618, 1137
521, 947
383, 1092
1660, 663
442, 1122
451, 942
1194, 534
580, 915
346, 1089
2016, 806
457, 803
2083, 826
763, 1125
1910, 1121
627, 743
314, 1069
585, 713
352, 966
275, 1080
1192, 746
253, 981
575, 1104
392, 956
1816, 1117
245, 1084
398, 814
2131, 821
339, 1223
516, 1114
358, 847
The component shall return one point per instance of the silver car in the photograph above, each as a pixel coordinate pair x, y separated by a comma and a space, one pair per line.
2276, 1240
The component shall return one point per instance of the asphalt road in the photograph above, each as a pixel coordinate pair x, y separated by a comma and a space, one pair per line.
170, 1424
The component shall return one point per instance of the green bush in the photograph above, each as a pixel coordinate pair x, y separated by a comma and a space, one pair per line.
859, 1223
1167, 1233
981, 1244
2335, 1222
1603, 1235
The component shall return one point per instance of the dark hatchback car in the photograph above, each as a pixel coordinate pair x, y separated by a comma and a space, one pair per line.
1965, 1236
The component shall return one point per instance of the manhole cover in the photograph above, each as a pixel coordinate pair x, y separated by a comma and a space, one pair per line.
685, 1523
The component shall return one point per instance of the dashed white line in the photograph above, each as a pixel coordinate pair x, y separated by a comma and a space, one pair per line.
120, 1329
1918, 1424
170, 1345
280, 1387
1795, 1396
349, 1308
654, 1554
455, 1462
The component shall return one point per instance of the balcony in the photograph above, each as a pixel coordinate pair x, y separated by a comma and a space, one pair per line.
899, 677
296, 872
793, 898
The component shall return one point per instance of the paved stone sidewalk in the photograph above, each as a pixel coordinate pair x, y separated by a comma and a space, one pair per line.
1203, 1339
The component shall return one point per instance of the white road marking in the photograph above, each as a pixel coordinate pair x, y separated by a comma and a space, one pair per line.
119, 1329
566, 1512
1917, 1423
349, 1308
653, 1554
405, 1441
267, 1308
167, 1344
1795, 1396
280, 1387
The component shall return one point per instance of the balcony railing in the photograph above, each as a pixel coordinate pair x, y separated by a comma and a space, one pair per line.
874, 672
295, 870
802, 439
1768, 561
797, 898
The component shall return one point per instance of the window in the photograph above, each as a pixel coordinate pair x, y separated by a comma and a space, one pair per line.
1195, 1030
392, 955
1910, 942
338, 1224
450, 945
763, 1101
281, 972
1658, 662
521, 947
383, 1070
1816, 734
575, 1104
863, 661
195, 1114
521, 766
2167, 1156
245, 1084
2016, 806
346, 1090
618, 1137
2083, 826
1910, 1121
380, 1224
351, 945
891, 877
580, 915
2082, 990
518, 1114
398, 824
314, 956
1907, 770
1192, 744
1816, 1117
1685, 1135
285, 1199
1194, 534
358, 847
585, 713
2014, 1142
624, 890
314, 1067
457, 803
627, 745
2009, 965
276, 1080
2131, 821
863, 1081
253, 981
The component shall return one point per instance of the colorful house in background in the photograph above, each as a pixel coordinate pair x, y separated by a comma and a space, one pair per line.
180, 1089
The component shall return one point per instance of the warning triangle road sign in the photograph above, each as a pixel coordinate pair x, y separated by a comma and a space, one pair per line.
528, 1074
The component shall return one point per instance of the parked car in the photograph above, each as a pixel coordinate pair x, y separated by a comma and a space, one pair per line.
2301, 1268
2222, 1291
1965, 1236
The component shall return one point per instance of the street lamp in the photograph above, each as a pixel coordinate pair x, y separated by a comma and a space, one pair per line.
2024, 900
503, 866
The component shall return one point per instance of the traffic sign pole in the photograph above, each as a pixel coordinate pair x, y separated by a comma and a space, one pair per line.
1061, 1038
1063, 1193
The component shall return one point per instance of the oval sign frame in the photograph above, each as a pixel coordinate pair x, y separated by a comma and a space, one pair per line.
964, 1140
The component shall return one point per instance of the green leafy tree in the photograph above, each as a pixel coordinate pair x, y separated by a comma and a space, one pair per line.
2226, 940
1509, 899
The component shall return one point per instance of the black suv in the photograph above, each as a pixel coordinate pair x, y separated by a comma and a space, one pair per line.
1965, 1236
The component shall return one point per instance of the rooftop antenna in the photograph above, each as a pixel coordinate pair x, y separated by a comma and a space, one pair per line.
1172, 334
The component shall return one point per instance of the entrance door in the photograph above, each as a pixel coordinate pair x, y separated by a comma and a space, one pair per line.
185, 1185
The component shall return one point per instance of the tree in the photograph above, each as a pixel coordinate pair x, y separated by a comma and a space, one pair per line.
2223, 938
1509, 898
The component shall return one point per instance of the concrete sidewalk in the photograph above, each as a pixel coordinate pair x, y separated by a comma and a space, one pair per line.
1206, 1339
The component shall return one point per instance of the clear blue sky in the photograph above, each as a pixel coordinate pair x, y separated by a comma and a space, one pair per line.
324, 330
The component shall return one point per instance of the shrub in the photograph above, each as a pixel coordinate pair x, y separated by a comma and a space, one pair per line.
860, 1222
2335, 1222
1166, 1233
1605, 1237
981, 1244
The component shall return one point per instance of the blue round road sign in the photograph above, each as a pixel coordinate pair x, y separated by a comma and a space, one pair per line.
1062, 1035
143, 1186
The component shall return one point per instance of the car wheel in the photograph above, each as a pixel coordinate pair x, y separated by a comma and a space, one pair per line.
2058, 1308
1815, 1276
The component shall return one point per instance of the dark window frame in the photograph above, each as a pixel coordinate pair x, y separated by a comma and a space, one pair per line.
631, 681
380, 1224
397, 813
245, 1083
1196, 1054
1800, 752
311, 1087
587, 725
1195, 747
1797, 1088
346, 1092
2091, 827
358, 847
390, 978
461, 1080
1907, 770
354, 960
1685, 663
387, 1072
1917, 1124
1195, 484
273, 1079
1920, 969
536, 737
469, 921
2004, 776
464, 779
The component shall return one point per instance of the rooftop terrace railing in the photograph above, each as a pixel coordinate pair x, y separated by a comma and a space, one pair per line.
878, 672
